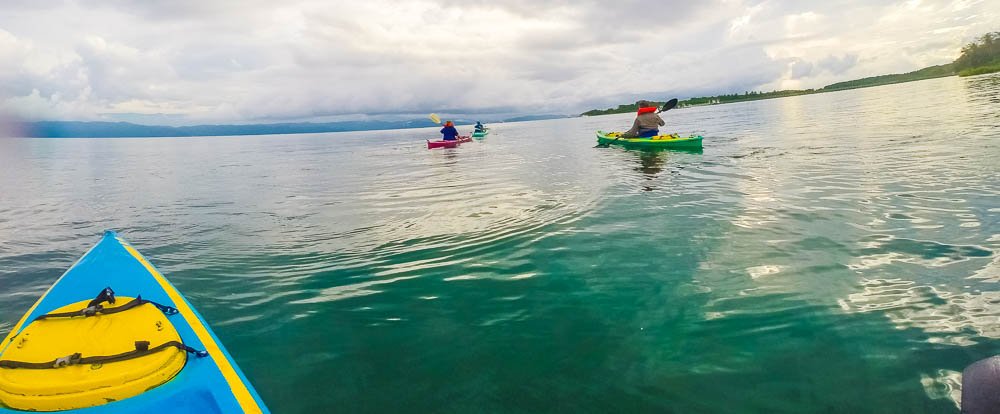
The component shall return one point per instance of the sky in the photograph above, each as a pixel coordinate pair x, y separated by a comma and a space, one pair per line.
185, 62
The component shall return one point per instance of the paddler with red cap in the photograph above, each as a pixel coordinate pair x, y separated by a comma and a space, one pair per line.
449, 131
647, 122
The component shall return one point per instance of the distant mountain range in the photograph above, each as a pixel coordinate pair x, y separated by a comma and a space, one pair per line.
76, 129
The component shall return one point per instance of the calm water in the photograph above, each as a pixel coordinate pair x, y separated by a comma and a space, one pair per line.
826, 253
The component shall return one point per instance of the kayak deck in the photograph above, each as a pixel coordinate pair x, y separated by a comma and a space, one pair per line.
659, 141
482, 134
208, 381
78, 384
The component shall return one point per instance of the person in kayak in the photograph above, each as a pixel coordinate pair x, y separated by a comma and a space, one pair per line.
480, 127
647, 122
449, 131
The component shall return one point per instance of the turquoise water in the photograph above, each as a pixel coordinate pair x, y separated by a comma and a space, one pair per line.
826, 253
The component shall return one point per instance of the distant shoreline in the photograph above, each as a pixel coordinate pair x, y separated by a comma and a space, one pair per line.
981, 70
98, 129
977, 58
932, 72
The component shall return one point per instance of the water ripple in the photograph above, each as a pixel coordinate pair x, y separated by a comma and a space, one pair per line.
531, 272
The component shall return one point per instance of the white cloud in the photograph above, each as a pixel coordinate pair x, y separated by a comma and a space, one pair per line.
256, 60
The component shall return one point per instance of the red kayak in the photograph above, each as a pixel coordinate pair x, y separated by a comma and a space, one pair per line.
447, 144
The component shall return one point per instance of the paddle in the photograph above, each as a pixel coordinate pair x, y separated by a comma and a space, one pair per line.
435, 119
666, 107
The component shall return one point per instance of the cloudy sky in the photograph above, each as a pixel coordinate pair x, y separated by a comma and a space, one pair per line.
236, 61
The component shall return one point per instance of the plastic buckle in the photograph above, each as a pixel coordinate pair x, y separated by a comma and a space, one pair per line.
167, 310
109, 295
66, 361
91, 310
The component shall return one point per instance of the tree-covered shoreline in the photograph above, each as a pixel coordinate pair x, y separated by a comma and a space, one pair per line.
926, 73
979, 57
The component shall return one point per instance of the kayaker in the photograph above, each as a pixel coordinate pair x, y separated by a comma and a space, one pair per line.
480, 127
449, 131
647, 122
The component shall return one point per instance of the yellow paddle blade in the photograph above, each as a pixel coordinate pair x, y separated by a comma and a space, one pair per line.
435, 118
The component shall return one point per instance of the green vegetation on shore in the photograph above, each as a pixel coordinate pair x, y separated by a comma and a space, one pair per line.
993, 68
930, 72
979, 57
925, 73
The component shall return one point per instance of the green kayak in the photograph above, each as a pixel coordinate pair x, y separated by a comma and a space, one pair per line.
481, 134
660, 141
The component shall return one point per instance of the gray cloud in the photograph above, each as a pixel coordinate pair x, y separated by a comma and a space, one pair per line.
194, 61
837, 65
800, 69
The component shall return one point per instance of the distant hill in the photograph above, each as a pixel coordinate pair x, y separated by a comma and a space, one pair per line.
979, 57
535, 118
77, 129
925, 73
74, 129
929, 72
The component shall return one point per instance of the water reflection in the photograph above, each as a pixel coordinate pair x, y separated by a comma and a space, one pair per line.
653, 162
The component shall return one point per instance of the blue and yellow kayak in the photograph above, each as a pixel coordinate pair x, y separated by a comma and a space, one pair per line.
112, 335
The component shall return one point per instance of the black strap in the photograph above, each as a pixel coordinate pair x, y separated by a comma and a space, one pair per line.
141, 349
96, 308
